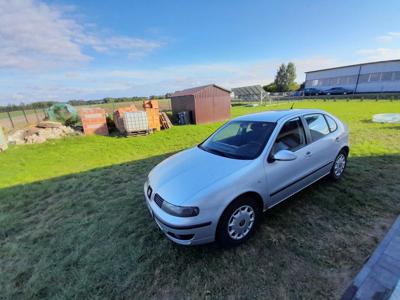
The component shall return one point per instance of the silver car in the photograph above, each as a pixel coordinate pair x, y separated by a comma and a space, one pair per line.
219, 189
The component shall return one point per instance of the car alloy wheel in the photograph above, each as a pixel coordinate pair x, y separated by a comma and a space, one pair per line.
241, 222
340, 164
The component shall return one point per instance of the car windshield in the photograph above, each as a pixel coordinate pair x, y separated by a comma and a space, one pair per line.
239, 139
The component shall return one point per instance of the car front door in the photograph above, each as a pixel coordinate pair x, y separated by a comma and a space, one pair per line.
287, 177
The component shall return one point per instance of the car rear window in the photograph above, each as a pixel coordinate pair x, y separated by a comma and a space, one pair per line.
331, 123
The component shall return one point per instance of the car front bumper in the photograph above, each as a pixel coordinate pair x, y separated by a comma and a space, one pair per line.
180, 231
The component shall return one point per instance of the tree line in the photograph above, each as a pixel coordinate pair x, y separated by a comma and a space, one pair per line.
45, 104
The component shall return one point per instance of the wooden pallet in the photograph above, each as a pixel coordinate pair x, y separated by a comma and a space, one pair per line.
138, 133
165, 121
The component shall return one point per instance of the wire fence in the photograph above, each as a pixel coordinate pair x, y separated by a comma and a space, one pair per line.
15, 119
276, 97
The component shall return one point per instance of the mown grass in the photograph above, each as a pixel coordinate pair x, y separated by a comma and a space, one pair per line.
73, 223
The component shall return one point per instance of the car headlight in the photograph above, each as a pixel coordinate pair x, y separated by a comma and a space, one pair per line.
179, 211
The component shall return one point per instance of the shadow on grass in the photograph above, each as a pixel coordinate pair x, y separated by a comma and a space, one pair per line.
90, 235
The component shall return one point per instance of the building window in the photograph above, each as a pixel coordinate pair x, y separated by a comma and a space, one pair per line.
386, 76
352, 79
374, 77
396, 76
363, 78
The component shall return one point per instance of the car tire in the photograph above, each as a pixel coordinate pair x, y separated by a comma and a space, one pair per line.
339, 165
238, 221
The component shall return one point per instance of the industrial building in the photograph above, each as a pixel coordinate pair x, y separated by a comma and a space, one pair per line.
373, 77
205, 104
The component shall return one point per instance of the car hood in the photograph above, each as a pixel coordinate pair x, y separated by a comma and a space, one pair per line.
178, 178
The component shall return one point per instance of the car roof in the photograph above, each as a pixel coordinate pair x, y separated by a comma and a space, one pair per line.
276, 115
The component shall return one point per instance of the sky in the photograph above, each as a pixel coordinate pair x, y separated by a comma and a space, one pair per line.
61, 50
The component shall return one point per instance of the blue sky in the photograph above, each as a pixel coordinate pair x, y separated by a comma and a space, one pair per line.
61, 50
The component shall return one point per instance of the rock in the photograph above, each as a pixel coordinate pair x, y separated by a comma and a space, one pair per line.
17, 137
37, 135
49, 124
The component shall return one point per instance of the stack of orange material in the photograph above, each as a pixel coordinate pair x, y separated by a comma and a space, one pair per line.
119, 114
153, 114
94, 121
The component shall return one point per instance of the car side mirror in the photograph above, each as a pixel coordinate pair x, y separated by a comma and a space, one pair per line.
284, 155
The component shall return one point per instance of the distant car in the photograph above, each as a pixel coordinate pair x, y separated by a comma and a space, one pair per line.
298, 94
338, 91
218, 190
312, 92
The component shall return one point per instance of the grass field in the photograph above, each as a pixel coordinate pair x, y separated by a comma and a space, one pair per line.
73, 223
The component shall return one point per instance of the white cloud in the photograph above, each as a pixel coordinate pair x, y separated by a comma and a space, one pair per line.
92, 84
34, 35
390, 36
379, 54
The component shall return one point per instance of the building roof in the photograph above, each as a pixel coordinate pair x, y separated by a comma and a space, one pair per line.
275, 115
361, 64
195, 90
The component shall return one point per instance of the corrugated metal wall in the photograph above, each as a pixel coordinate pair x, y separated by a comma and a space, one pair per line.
212, 105
365, 78
182, 103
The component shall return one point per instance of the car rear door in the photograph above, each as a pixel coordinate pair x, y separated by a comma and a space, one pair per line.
322, 144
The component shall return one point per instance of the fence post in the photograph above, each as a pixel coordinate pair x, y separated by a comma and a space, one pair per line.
26, 119
11, 120
37, 117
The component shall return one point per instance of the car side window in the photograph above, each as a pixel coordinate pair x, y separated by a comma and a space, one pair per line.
331, 123
291, 137
317, 125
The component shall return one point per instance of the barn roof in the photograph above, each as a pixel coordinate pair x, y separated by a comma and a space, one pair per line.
195, 90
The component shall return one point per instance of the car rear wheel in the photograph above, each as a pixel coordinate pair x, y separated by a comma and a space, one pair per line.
238, 221
339, 165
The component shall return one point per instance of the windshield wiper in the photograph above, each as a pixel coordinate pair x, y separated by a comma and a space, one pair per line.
215, 151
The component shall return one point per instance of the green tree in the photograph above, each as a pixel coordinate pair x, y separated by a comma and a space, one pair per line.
291, 73
281, 79
271, 88
294, 87
285, 78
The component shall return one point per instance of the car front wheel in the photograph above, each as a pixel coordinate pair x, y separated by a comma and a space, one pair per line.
339, 165
238, 221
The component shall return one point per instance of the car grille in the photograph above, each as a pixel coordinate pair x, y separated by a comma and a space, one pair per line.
158, 200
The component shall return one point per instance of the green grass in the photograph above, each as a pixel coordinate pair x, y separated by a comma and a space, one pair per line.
73, 223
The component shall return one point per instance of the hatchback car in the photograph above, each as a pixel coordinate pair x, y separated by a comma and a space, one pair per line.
313, 92
338, 91
219, 189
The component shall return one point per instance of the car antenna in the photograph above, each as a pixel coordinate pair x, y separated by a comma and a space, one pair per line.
292, 106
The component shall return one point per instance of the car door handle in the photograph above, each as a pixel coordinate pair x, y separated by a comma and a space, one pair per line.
337, 139
308, 154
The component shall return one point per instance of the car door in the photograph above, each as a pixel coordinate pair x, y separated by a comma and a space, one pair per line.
285, 178
323, 144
